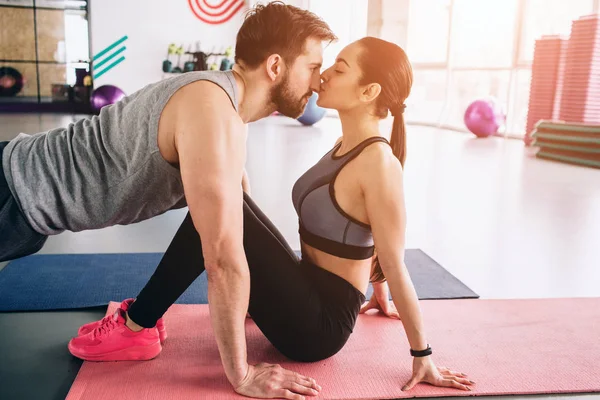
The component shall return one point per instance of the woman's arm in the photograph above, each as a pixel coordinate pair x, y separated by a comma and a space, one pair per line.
382, 186
246, 183
384, 200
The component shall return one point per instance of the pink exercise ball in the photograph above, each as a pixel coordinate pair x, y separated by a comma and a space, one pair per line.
484, 117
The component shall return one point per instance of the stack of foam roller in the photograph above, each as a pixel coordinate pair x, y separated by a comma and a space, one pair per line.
546, 81
580, 101
573, 143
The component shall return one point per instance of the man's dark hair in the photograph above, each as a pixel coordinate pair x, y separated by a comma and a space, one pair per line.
277, 28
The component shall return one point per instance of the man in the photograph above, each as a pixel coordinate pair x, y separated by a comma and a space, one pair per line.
177, 142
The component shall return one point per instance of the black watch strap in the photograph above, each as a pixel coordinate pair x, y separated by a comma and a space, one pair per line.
421, 353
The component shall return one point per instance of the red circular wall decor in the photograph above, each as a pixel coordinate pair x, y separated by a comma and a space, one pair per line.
217, 13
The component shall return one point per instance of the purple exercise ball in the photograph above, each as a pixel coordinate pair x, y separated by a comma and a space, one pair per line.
484, 117
105, 95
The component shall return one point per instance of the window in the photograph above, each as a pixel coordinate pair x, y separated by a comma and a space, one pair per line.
41, 45
428, 25
427, 99
488, 52
466, 86
347, 18
483, 33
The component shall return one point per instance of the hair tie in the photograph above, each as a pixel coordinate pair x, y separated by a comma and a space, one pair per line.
398, 110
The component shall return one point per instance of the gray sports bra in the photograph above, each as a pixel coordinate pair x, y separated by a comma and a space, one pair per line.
323, 224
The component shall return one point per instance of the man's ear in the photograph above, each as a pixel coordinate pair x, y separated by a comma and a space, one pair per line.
274, 66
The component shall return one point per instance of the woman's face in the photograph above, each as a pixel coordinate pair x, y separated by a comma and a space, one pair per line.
340, 89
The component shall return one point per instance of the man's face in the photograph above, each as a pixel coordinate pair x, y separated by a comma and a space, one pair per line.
301, 78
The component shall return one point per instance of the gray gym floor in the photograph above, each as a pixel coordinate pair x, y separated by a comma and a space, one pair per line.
505, 223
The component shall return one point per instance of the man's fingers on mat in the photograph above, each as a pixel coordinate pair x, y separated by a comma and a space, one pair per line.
300, 379
301, 389
315, 384
464, 381
308, 383
295, 376
286, 394
273, 381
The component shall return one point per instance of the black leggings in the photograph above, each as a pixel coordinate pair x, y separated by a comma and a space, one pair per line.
306, 312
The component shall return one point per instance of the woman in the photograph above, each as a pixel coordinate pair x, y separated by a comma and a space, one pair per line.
349, 204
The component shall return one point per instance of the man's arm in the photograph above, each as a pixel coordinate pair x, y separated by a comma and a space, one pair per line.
210, 141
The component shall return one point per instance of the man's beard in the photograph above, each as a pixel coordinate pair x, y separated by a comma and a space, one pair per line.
285, 101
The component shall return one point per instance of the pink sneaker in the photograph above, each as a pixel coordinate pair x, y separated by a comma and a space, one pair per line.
160, 324
114, 341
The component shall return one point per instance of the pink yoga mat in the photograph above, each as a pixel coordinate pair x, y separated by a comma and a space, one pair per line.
505, 346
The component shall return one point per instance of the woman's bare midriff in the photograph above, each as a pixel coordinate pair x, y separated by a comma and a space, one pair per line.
356, 272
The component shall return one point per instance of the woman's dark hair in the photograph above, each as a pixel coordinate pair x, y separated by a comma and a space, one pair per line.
386, 63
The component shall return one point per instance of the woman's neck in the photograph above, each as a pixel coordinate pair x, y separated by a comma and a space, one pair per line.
357, 127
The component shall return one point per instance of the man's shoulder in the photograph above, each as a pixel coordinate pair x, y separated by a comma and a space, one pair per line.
202, 100
208, 93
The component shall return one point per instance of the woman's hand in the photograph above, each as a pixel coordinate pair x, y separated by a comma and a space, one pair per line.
424, 370
381, 301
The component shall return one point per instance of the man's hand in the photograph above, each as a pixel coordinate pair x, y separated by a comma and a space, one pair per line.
268, 381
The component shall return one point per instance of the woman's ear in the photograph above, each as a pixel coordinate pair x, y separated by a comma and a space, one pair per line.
370, 92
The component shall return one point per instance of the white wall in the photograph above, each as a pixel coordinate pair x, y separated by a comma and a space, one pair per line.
150, 27
347, 19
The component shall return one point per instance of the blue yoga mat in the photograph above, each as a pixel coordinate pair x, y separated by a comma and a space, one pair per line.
72, 281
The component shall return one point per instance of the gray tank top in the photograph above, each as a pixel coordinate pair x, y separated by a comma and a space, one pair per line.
104, 170
323, 223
